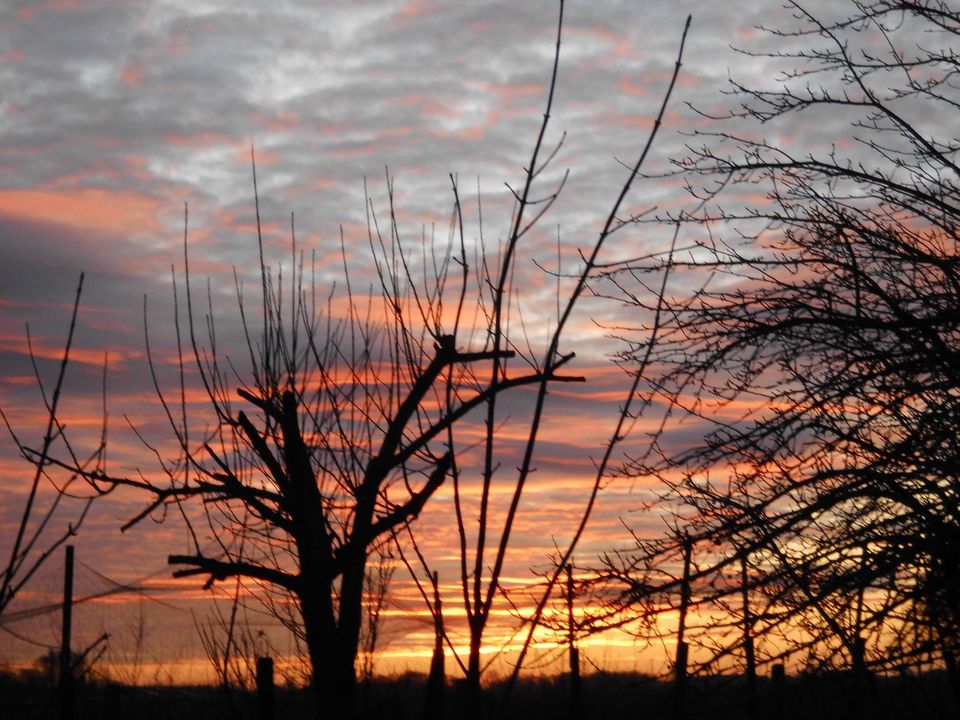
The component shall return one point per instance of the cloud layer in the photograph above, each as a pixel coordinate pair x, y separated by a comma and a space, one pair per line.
116, 113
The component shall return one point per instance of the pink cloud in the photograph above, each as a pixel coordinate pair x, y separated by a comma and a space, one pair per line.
264, 157
429, 107
414, 8
476, 132
50, 349
201, 139
280, 122
132, 74
627, 86
26, 13
506, 92
95, 209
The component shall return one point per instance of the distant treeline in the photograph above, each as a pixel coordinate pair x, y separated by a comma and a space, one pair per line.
607, 696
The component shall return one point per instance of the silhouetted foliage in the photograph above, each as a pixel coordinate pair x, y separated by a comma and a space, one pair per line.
484, 540
335, 445
820, 349
56, 504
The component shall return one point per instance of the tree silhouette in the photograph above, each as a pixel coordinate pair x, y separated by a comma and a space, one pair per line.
481, 536
486, 539
40, 529
335, 447
820, 347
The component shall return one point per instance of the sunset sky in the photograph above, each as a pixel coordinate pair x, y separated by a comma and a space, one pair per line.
115, 113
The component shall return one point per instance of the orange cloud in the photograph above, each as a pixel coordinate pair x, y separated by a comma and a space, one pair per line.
25, 13
279, 122
200, 139
477, 132
628, 87
414, 8
94, 209
264, 157
132, 74
428, 106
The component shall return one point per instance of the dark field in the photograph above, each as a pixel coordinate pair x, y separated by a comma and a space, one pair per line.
604, 696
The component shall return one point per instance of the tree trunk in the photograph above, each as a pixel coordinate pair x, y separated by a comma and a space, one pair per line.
470, 699
333, 697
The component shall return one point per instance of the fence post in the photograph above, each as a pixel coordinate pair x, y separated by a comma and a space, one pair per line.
433, 704
576, 711
680, 664
778, 678
749, 658
265, 710
66, 660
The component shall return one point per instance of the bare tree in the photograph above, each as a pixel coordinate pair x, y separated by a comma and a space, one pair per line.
42, 528
231, 645
339, 452
820, 350
484, 540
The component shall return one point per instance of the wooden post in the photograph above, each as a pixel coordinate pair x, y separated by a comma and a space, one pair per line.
858, 666
575, 701
265, 696
111, 710
778, 678
858, 698
66, 660
433, 704
749, 658
680, 664
859, 659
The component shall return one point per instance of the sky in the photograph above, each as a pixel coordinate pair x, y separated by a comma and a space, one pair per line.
114, 115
